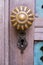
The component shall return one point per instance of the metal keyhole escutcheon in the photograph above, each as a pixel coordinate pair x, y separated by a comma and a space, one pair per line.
22, 18
22, 43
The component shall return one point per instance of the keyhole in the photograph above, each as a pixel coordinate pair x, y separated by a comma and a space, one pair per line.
22, 42
42, 6
41, 48
41, 58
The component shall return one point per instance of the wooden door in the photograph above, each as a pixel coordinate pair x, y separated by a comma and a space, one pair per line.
16, 58
9, 52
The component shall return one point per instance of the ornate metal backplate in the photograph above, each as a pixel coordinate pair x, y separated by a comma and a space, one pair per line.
22, 18
22, 42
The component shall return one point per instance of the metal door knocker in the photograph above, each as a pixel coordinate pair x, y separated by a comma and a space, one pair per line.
22, 18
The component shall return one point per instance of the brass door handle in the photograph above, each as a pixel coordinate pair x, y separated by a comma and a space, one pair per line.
22, 18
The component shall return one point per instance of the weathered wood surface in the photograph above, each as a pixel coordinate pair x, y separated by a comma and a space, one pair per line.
38, 22
4, 32
38, 36
38, 30
9, 53
1, 32
15, 56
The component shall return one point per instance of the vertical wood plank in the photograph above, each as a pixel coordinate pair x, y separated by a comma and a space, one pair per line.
28, 54
1, 32
15, 57
6, 32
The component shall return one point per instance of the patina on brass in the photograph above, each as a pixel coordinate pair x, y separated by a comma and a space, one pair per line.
22, 18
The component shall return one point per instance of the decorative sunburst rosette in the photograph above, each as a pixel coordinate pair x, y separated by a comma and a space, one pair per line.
22, 18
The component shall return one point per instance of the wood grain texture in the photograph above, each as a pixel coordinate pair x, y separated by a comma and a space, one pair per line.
9, 53
6, 32
38, 23
38, 36
28, 54
15, 56
1, 32
38, 30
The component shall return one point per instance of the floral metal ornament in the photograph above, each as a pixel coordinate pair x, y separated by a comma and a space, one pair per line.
22, 18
